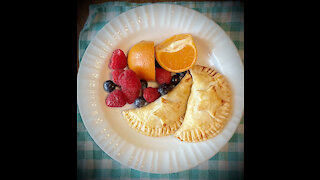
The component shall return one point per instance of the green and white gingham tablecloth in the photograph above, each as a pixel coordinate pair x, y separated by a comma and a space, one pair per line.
93, 163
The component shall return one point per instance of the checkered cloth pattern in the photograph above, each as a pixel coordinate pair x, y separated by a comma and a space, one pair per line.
93, 163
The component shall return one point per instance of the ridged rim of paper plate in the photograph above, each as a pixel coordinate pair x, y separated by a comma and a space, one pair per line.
100, 49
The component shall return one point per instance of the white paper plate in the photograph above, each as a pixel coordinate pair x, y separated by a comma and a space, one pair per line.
106, 125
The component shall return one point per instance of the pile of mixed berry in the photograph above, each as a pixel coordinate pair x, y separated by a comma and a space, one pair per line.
126, 87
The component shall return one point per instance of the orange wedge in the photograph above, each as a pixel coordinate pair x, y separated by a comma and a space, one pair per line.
177, 53
141, 60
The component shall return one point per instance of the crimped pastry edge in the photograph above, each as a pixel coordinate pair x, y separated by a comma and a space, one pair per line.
153, 132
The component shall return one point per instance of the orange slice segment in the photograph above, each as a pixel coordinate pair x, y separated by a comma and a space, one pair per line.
141, 60
177, 53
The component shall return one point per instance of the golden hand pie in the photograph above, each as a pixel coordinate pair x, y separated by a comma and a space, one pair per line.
209, 106
163, 116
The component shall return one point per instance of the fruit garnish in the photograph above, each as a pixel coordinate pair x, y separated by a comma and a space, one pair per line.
115, 75
116, 99
144, 84
182, 74
130, 85
151, 94
163, 76
141, 60
177, 53
175, 79
109, 86
131, 94
140, 102
118, 60
129, 80
165, 88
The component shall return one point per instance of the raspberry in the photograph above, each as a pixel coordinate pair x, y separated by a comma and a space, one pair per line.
129, 80
131, 95
151, 94
118, 60
163, 76
116, 99
115, 75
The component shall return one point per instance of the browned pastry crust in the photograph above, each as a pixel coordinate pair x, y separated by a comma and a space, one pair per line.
209, 106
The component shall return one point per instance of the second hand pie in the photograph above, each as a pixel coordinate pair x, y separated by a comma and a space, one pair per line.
209, 106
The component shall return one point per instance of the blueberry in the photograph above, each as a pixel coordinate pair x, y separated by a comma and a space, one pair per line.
165, 88
109, 86
140, 102
182, 74
144, 83
171, 86
175, 79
